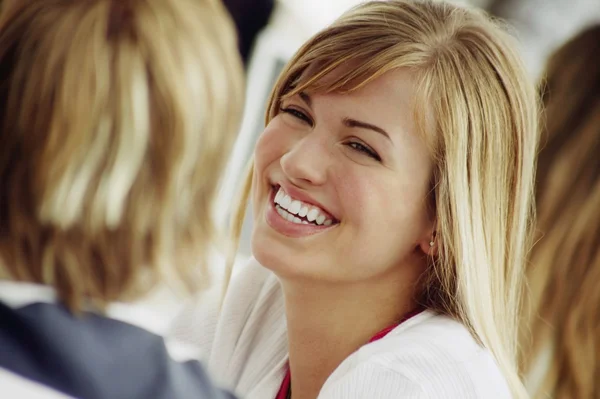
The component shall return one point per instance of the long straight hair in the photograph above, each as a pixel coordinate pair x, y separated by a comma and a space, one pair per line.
478, 111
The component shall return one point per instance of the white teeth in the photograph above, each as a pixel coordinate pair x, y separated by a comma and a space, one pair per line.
294, 207
279, 195
288, 208
285, 201
312, 215
281, 212
320, 220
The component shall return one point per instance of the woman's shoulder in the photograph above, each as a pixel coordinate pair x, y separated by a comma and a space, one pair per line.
440, 337
251, 289
254, 293
250, 342
250, 280
431, 331
242, 337
432, 356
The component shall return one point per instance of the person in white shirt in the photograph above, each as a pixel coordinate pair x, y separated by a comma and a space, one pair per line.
392, 198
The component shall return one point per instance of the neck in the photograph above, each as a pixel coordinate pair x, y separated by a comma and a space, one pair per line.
328, 322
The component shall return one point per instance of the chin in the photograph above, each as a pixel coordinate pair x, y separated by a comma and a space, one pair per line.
286, 263
288, 258
271, 254
263, 255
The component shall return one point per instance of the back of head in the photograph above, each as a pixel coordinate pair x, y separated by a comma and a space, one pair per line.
477, 111
563, 316
116, 118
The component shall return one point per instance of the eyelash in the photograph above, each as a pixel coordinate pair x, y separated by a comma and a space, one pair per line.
364, 149
354, 145
298, 114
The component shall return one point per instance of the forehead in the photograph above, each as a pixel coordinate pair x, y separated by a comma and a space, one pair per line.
326, 77
358, 79
389, 93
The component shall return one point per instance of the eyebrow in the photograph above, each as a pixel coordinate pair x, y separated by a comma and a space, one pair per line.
306, 98
349, 122
363, 125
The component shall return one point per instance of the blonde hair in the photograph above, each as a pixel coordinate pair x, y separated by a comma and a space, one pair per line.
563, 313
117, 117
478, 111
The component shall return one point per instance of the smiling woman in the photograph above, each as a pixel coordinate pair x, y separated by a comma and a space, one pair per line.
391, 195
352, 173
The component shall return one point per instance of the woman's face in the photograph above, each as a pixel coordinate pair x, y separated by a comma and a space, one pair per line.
340, 185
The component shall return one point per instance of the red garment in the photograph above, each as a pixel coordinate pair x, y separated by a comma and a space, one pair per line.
287, 380
285, 385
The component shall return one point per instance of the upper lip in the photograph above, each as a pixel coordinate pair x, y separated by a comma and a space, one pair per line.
299, 195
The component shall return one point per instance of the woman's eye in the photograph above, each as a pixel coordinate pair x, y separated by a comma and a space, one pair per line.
298, 115
365, 150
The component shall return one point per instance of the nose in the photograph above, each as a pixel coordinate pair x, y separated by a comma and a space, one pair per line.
307, 162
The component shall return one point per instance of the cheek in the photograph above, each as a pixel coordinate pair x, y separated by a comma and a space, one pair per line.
272, 144
265, 151
269, 148
361, 194
383, 204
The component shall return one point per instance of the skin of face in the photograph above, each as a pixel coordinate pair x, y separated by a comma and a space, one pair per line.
359, 157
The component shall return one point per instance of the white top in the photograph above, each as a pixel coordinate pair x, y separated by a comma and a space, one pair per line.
245, 348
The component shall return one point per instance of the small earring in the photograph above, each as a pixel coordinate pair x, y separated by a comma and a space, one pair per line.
431, 243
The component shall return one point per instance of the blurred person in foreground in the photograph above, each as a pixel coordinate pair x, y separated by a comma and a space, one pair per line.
117, 117
561, 331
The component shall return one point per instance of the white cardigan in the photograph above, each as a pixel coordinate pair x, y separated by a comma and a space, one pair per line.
245, 349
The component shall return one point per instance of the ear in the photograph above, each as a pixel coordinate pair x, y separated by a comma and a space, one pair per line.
430, 245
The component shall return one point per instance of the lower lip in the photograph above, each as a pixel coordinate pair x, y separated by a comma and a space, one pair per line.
287, 228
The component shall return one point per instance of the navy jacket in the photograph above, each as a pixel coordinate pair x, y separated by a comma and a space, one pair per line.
90, 356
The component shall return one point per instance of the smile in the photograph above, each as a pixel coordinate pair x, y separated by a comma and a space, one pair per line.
296, 218
298, 212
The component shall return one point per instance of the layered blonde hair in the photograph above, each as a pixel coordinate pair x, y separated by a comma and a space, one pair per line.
478, 111
562, 316
117, 118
